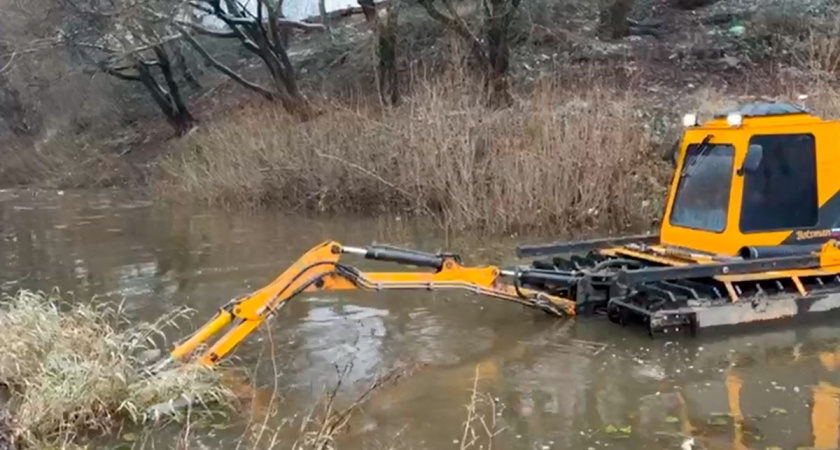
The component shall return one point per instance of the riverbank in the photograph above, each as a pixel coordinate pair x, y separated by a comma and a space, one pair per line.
581, 149
585, 153
587, 156
562, 158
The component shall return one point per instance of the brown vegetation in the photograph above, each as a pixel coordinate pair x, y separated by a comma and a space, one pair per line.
563, 155
63, 162
565, 158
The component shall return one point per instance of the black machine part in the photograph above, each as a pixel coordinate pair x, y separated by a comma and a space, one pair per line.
775, 251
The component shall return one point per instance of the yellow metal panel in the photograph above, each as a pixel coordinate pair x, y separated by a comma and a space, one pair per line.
728, 242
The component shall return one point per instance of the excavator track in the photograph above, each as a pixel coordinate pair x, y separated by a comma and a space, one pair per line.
670, 291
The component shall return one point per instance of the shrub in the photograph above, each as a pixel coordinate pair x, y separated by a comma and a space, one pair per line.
563, 159
70, 369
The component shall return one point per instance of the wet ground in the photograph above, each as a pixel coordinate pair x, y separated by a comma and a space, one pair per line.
555, 384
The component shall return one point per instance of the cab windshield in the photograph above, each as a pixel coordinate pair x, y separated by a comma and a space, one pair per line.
702, 197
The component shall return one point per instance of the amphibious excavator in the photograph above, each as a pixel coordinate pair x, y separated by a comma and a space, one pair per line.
749, 234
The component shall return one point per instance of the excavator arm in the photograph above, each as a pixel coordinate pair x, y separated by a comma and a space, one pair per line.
319, 269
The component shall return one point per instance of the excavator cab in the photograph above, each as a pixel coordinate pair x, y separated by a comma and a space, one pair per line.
749, 235
763, 175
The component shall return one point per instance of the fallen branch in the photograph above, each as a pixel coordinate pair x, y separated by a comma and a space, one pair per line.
306, 26
333, 423
489, 429
351, 11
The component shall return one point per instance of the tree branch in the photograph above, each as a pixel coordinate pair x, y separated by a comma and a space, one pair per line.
201, 7
171, 84
231, 6
459, 21
206, 31
158, 93
135, 50
247, 42
237, 20
223, 68
115, 72
306, 26
272, 25
445, 20
458, 26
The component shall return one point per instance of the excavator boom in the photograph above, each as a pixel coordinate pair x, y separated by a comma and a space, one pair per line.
319, 269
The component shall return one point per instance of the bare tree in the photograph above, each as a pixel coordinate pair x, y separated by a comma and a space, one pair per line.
22, 119
386, 33
492, 53
128, 40
22, 35
613, 19
184, 68
261, 32
322, 11
139, 68
385, 23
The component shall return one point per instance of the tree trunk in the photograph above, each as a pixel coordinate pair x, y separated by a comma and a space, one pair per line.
175, 111
498, 54
285, 85
182, 122
368, 9
386, 28
613, 18
182, 115
273, 53
322, 10
181, 64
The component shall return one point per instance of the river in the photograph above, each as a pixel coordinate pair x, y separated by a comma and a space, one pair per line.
556, 384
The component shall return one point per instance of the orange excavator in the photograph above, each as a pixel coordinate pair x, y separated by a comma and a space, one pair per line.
749, 234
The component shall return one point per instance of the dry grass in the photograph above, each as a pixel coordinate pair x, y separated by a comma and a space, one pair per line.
277, 425
807, 41
73, 369
481, 423
59, 162
563, 158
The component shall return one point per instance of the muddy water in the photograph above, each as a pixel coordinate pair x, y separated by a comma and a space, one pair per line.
555, 384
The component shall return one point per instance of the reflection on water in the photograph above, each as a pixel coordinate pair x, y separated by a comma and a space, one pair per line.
778, 388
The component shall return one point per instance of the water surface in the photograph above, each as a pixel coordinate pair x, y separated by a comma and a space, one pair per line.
555, 384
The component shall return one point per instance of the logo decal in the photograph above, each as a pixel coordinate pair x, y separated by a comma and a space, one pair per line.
815, 234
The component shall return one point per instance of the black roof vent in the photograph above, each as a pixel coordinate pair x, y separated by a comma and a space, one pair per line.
766, 109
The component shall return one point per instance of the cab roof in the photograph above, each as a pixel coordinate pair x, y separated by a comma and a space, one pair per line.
761, 114
766, 109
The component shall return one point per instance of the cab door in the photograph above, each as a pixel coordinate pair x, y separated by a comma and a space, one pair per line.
701, 212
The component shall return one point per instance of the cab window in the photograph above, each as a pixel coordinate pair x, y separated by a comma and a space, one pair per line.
702, 198
781, 193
